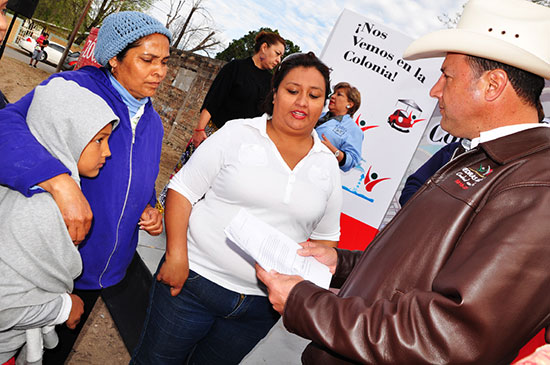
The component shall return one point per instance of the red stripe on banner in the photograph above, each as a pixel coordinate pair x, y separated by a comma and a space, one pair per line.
354, 234
10, 361
531, 346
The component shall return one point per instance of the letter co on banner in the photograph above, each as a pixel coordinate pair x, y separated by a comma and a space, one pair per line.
395, 110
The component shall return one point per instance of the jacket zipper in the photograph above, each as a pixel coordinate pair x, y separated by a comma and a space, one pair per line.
134, 127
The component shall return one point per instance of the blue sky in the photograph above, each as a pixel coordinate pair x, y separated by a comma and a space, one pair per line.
309, 22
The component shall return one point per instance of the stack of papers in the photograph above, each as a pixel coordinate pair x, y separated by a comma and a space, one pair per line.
273, 250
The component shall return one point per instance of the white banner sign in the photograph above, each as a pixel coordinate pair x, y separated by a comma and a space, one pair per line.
395, 108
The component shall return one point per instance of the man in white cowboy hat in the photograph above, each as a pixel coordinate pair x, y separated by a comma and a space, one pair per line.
461, 273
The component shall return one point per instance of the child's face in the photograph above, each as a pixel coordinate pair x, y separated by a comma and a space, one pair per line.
94, 155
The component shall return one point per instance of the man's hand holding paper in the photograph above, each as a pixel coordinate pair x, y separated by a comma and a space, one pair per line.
273, 250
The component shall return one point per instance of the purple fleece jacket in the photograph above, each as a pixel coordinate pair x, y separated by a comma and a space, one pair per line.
118, 196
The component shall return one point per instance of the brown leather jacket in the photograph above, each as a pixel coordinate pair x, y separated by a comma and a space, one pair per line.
460, 275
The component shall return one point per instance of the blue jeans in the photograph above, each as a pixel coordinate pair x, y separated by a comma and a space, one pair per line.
204, 324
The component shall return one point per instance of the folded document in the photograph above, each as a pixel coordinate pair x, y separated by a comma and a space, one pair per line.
273, 250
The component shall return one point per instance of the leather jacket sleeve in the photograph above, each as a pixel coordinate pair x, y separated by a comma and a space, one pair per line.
476, 311
346, 262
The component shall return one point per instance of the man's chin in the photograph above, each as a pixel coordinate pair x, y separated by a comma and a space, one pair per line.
445, 126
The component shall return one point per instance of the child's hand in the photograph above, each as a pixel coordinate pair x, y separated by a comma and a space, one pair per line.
151, 221
77, 309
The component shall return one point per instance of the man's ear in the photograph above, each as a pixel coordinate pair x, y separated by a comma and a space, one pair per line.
496, 81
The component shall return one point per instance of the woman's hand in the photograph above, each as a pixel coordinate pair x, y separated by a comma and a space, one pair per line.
327, 143
151, 221
332, 149
198, 137
72, 204
174, 273
324, 254
175, 269
77, 308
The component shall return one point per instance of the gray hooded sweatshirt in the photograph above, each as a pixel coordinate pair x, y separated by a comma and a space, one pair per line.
38, 260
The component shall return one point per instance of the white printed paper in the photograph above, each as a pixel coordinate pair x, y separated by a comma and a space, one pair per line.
273, 250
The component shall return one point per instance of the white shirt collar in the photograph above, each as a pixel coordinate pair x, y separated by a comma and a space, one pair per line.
503, 131
261, 124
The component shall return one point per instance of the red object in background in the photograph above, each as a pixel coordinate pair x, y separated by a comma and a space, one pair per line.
400, 119
87, 55
356, 235
10, 361
531, 346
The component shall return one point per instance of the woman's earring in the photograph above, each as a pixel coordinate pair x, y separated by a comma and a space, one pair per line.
347, 106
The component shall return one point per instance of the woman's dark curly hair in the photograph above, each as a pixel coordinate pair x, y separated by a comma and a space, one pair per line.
290, 62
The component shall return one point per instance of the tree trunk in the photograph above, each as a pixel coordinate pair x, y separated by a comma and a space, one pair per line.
186, 24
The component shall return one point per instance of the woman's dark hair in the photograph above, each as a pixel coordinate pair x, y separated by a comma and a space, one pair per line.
122, 54
269, 38
292, 61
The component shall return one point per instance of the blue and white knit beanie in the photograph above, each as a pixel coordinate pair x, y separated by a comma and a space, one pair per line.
120, 29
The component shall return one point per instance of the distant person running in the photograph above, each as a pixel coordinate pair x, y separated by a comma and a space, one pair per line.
41, 43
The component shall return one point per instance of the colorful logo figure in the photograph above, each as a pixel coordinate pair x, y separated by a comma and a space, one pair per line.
482, 171
371, 180
368, 180
363, 124
403, 118
469, 177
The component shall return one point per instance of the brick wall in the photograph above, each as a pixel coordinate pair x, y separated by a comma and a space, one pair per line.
181, 94
178, 101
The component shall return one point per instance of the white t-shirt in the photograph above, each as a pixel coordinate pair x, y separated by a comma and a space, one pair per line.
240, 167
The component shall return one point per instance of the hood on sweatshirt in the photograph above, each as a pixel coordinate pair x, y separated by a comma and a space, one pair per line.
64, 117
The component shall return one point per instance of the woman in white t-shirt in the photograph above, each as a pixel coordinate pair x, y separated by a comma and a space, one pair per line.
207, 305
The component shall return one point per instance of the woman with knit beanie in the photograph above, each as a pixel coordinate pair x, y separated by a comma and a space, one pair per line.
133, 49
237, 92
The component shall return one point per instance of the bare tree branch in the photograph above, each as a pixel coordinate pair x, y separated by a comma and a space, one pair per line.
175, 8
190, 23
204, 43
196, 6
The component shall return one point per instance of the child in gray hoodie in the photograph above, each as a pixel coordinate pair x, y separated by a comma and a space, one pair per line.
38, 260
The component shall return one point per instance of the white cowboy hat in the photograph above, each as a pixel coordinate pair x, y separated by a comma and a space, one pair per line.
514, 32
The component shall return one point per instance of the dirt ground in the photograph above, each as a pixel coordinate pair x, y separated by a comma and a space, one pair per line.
99, 342
17, 78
